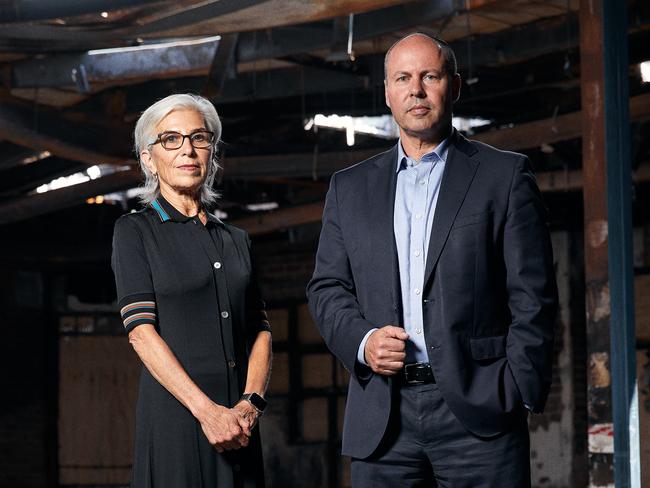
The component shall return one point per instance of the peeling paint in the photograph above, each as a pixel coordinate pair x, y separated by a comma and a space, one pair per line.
597, 233
599, 376
600, 303
601, 438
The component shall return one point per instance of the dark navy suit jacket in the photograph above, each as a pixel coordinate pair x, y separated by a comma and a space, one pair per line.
489, 296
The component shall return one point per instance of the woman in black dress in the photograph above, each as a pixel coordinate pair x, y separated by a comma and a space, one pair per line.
190, 304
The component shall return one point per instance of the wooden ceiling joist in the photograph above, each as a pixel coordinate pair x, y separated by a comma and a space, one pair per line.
519, 137
51, 201
193, 57
13, 128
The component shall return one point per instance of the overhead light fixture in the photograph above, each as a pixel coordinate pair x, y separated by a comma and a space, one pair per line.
265, 206
645, 71
382, 126
36, 157
92, 173
104, 15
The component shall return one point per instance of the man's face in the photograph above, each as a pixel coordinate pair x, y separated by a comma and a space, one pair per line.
419, 91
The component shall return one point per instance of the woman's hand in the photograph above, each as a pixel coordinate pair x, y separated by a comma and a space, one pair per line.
249, 413
225, 428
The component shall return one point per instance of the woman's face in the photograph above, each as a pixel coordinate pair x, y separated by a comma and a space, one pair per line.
181, 170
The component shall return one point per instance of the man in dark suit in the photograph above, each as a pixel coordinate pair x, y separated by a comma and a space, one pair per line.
434, 286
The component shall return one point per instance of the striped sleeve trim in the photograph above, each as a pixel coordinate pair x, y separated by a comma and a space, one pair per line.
137, 313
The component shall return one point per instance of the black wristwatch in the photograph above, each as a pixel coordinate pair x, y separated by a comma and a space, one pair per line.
256, 400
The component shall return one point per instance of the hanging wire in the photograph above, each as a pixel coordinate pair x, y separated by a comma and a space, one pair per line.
567, 59
350, 36
471, 79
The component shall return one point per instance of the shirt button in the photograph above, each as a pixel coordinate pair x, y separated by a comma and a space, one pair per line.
417, 253
231, 363
225, 314
423, 182
217, 265
418, 216
417, 291
418, 331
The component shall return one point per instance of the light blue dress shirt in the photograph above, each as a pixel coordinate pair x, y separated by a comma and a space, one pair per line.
416, 195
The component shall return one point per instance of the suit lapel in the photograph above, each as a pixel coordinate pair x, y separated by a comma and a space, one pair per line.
381, 186
460, 169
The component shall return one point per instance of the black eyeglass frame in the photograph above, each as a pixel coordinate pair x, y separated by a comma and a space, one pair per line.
183, 136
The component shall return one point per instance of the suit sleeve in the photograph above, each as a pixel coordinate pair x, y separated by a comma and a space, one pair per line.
532, 292
332, 294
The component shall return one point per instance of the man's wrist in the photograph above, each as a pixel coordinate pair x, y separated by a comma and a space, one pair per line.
361, 352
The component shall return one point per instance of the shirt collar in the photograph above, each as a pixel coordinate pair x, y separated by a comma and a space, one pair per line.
167, 212
438, 154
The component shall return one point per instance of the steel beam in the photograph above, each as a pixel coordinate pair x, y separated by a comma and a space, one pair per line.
32, 10
607, 181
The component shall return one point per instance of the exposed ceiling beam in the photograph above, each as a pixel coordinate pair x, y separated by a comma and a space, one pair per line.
223, 66
194, 57
32, 10
51, 134
12, 156
305, 165
180, 17
555, 129
188, 15
51, 201
29, 176
139, 62
277, 83
282, 219
285, 218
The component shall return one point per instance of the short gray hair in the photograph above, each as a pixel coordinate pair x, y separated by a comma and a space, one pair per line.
451, 66
144, 136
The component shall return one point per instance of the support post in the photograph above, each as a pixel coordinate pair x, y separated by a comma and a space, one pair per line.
608, 245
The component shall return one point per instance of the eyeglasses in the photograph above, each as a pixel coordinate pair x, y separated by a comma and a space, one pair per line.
200, 139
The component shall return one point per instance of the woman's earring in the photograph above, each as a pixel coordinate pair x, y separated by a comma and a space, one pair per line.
155, 175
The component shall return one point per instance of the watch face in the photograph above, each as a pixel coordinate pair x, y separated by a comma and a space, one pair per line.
257, 401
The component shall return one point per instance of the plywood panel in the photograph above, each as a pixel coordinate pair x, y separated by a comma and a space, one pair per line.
279, 383
307, 330
279, 319
317, 371
315, 419
97, 396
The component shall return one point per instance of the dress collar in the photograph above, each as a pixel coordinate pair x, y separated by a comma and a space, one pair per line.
167, 212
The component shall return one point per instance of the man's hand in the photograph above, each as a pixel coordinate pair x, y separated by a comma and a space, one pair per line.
386, 349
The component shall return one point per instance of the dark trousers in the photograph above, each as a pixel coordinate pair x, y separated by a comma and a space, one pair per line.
426, 446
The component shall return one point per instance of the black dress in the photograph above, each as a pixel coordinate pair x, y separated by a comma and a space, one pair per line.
196, 283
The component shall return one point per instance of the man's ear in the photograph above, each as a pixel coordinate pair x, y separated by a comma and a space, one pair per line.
145, 157
456, 83
386, 93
